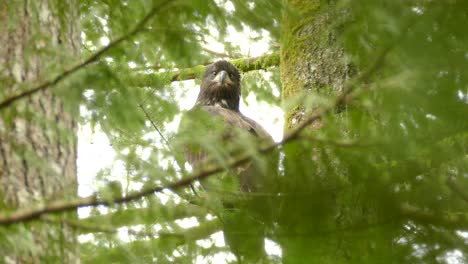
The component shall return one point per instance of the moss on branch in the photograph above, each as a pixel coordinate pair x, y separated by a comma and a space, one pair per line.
244, 65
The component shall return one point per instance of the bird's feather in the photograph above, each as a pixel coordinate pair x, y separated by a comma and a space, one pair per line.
217, 130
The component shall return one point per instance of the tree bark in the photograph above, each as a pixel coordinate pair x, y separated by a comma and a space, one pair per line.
37, 134
329, 220
312, 57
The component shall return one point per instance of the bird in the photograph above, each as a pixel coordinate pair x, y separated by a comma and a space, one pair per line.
225, 132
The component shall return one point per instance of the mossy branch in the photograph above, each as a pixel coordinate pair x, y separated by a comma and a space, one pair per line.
93, 58
244, 65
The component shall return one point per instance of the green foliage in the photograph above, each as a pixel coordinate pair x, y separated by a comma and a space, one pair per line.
398, 141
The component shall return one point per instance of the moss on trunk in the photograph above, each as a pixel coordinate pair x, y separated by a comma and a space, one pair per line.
312, 57
331, 222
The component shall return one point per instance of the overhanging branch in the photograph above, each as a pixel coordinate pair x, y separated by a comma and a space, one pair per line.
346, 96
23, 215
447, 219
203, 230
161, 238
137, 29
151, 214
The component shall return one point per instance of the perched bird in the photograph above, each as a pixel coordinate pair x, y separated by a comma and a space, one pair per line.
226, 132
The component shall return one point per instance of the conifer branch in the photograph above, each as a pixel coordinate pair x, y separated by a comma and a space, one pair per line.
161, 238
93, 58
198, 232
138, 216
452, 220
207, 170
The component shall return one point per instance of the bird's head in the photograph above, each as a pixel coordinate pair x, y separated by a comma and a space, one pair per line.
220, 86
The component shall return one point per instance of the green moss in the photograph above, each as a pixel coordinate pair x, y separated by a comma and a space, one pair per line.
198, 70
311, 54
250, 64
244, 65
293, 49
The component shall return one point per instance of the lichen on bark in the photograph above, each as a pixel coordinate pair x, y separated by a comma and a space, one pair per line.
312, 57
327, 216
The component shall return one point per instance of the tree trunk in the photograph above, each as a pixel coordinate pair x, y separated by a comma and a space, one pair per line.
38, 133
323, 218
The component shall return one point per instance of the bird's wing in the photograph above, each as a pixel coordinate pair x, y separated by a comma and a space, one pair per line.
231, 118
220, 125
250, 179
231, 125
259, 130
238, 120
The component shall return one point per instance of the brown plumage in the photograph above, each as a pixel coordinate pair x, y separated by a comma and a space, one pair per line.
223, 131
219, 98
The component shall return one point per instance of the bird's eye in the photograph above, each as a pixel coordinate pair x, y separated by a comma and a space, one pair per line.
213, 72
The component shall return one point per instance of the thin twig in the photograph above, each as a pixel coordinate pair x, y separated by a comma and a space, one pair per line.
168, 145
218, 54
140, 26
155, 127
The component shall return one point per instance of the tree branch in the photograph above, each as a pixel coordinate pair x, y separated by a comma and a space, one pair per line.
163, 138
207, 170
198, 232
180, 165
348, 143
257, 63
138, 216
449, 220
163, 238
139, 27
244, 65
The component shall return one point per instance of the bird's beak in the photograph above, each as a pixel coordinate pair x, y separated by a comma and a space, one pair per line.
222, 77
